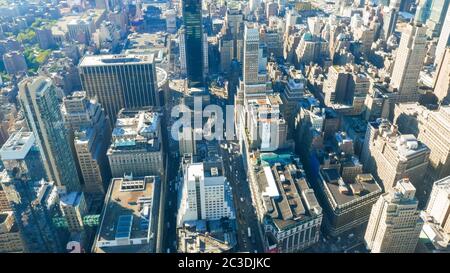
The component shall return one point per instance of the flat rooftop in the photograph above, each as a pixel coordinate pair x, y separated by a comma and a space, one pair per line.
128, 209
17, 146
114, 60
286, 194
343, 193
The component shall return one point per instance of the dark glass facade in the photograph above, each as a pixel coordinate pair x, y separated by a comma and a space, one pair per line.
192, 17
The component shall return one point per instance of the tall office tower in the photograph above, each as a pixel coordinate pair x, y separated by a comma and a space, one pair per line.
136, 144
265, 126
390, 16
423, 11
394, 224
441, 83
20, 153
234, 21
251, 55
226, 50
34, 205
204, 193
434, 133
391, 156
74, 208
438, 14
10, 241
444, 39
91, 135
182, 48
438, 206
120, 81
192, 18
40, 103
294, 90
205, 55
408, 62
129, 221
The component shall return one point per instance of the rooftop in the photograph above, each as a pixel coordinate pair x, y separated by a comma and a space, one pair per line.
113, 60
287, 196
128, 209
343, 193
17, 146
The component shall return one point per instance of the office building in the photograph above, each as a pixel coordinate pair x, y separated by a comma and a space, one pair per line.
14, 63
120, 81
194, 41
265, 128
391, 156
10, 240
40, 103
441, 83
394, 224
437, 17
435, 236
444, 39
74, 208
285, 203
204, 193
129, 221
91, 133
34, 205
390, 16
20, 151
348, 201
136, 144
408, 62
434, 130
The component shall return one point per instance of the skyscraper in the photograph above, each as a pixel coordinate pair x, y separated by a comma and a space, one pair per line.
441, 83
40, 103
193, 31
34, 205
90, 134
439, 204
391, 156
437, 16
204, 193
394, 224
120, 81
408, 62
444, 38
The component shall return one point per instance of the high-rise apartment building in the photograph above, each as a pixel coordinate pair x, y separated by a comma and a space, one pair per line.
394, 224
194, 44
14, 62
391, 156
120, 81
90, 134
408, 62
136, 144
39, 100
204, 193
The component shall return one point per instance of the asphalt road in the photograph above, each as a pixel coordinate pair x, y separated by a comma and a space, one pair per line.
245, 212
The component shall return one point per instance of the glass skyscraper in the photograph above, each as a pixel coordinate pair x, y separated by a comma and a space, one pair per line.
42, 109
192, 17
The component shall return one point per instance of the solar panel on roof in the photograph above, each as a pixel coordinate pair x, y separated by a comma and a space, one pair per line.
124, 226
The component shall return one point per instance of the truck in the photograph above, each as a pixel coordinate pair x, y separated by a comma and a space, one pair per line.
249, 230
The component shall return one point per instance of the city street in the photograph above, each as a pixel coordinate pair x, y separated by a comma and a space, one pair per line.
245, 212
